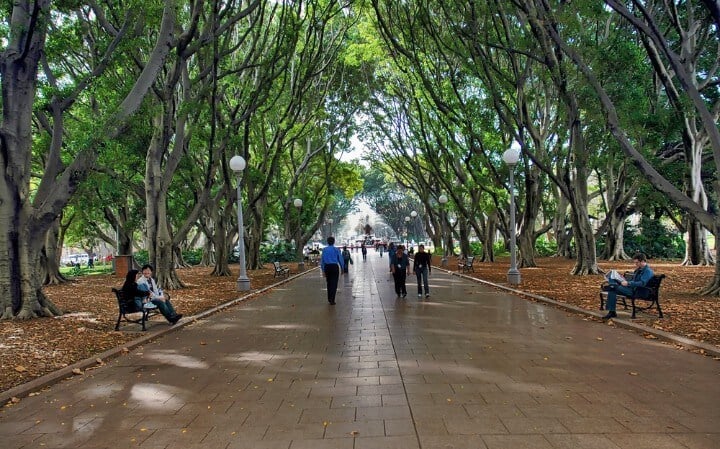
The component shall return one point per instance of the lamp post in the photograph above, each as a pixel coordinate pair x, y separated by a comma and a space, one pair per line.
511, 157
443, 199
330, 221
407, 229
237, 164
301, 263
413, 216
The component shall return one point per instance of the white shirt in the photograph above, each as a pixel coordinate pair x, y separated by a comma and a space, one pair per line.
155, 292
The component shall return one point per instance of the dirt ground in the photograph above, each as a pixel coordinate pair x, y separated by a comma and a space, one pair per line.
29, 349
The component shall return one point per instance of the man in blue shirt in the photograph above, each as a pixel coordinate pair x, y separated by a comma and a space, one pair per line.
641, 276
331, 263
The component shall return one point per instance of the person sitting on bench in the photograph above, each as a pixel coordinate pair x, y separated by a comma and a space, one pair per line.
157, 296
642, 274
130, 289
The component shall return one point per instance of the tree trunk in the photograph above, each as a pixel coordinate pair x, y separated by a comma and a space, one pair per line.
160, 242
221, 245
488, 238
463, 237
50, 257
526, 246
22, 234
697, 249
615, 239
713, 288
577, 187
527, 236
584, 241
254, 234
563, 236
158, 237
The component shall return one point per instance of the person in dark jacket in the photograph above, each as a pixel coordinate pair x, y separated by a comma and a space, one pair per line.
131, 289
400, 268
641, 276
347, 259
421, 267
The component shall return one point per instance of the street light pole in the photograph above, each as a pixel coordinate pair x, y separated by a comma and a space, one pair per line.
443, 200
413, 216
511, 157
301, 263
237, 165
330, 220
407, 230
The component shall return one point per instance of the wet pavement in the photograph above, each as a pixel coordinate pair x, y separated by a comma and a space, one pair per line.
469, 367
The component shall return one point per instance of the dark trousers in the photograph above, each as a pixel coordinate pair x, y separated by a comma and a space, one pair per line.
422, 280
332, 273
166, 308
612, 295
400, 277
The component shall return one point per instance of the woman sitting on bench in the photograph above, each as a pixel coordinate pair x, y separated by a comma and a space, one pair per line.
130, 289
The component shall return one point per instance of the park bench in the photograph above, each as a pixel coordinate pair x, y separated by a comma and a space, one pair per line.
466, 265
650, 294
281, 270
127, 306
314, 258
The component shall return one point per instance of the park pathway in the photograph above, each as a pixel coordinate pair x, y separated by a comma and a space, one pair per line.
469, 367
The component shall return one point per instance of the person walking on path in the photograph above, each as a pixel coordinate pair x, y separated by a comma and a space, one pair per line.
400, 269
392, 252
641, 276
347, 259
421, 267
331, 263
363, 250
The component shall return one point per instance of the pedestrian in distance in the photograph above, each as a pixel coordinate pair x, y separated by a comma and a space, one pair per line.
347, 259
392, 252
400, 269
331, 264
363, 250
422, 269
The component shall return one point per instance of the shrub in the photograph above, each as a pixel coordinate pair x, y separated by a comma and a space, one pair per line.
193, 256
654, 239
545, 247
499, 248
280, 252
141, 257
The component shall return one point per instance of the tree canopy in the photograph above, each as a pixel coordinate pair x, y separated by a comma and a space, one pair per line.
119, 119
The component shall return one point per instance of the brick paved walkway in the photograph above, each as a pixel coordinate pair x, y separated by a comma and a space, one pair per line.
470, 367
